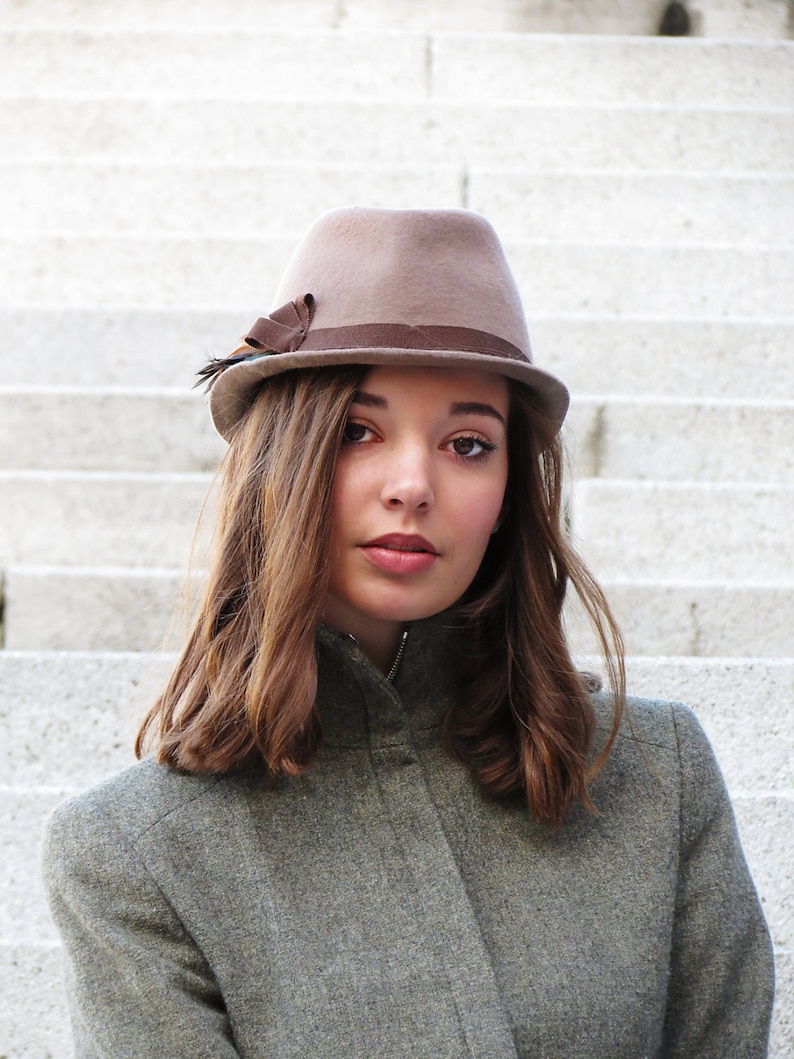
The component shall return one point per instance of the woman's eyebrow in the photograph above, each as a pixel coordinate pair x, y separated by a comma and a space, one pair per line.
476, 408
371, 400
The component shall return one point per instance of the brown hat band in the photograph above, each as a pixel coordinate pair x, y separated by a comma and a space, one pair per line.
288, 329
407, 336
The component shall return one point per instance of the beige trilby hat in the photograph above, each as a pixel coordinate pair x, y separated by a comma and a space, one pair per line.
378, 286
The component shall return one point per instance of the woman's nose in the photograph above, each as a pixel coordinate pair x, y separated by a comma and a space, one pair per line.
408, 482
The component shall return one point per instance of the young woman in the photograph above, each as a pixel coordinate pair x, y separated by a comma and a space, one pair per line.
384, 814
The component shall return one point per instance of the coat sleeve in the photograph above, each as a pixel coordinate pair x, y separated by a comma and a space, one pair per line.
137, 984
722, 973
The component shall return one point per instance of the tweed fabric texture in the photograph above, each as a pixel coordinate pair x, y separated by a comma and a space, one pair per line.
381, 906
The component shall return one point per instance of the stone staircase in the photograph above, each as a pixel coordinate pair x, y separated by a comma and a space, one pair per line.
157, 164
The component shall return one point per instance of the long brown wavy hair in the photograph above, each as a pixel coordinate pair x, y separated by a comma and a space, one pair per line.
244, 689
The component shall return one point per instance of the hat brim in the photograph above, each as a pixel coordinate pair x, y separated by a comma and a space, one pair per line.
231, 394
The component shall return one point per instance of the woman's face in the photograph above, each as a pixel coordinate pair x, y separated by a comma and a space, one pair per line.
419, 488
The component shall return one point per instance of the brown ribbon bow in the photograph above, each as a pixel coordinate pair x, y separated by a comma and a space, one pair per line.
282, 332
285, 329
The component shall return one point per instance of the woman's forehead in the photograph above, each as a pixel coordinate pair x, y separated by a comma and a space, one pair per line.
446, 383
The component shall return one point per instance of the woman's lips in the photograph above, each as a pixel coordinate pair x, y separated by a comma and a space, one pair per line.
401, 553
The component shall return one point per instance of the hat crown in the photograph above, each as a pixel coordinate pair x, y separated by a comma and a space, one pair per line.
425, 288
415, 267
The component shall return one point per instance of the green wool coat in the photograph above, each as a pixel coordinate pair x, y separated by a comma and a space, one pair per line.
380, 906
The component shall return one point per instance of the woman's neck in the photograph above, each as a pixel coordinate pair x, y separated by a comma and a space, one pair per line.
379, 640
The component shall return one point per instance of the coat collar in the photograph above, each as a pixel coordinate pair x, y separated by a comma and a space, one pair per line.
359, 707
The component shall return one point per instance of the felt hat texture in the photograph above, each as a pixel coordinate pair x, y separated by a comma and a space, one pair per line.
397, 287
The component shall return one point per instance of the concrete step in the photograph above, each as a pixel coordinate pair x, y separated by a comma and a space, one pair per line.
683, 358
107, 430
73, 608
741, 703
699, 281
621, 69
69, 718
101, 196
34, 1023
679, 439
667, 357
110, 518
154, 272
86, 608
781, 1037
98, 196
637, 207
713, 18
219, 62
657, 617
152, 347
540, 137
608, 437
685, 531
187, 61
24, 915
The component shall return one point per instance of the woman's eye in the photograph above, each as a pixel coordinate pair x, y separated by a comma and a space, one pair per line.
355, 432
471, 446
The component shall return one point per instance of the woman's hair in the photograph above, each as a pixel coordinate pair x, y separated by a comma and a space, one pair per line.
525, 723
246, 682
244, 689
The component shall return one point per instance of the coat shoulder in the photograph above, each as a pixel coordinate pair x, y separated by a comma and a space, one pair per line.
132, 802
661, 723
